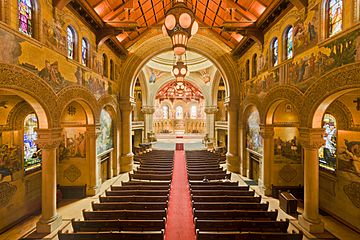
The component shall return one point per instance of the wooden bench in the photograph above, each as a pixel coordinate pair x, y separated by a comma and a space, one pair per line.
297, 191
242, 225
230, 206
139, 182
137, 193
206, 172
158, 172
235, 214
204, 169
219, 192
226, 199
193, 183
117, 225
200, 177
129, 206
202, 235
156, 177
133, 198
147, 235
124, 214
222, 187
140, 187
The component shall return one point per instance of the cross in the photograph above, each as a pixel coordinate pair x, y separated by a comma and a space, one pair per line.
357, 101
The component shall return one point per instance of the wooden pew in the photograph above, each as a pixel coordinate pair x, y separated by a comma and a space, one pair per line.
242, 225
124, 214
226, 199
147, 235
204, 169
200, 183
202, 235
230, 206
206, 172
235, 214
158, 172
129, 206
222, 187
200, 177
219, 192
139, 182
140, 187
133, 198
154, 177
117, 225
137, 193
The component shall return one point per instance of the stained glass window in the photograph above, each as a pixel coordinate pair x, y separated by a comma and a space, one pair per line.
84, 52
32, 155
105, 65
335, 9
327, 152
165, 112
70, 42
179, 112
289, 43
254, 65
193, 112
112, 69
25, 9
275, 52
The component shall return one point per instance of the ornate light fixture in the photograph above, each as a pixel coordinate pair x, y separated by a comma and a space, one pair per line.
180, 71
180, 25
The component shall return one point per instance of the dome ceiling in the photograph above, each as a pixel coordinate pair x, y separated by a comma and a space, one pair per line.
179, 90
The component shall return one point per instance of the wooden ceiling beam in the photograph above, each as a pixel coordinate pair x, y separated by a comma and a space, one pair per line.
300, 4
241, 10
250, 31
119, 10
60, 4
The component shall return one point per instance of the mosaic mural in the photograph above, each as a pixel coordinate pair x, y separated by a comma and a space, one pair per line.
287, 149
74, 143
349, 152
10, 160
105, 140
253, 139
11, 51
327, 153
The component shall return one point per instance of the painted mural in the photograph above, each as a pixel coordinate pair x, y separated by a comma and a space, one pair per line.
327, 152
105, 140
54, 35
9, 160
73, 144
253, 139
11, 51
287, 148
349, 152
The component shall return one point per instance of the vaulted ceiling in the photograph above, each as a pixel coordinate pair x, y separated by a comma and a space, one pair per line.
150, 14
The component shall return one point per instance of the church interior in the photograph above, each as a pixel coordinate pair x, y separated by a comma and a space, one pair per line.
239, 119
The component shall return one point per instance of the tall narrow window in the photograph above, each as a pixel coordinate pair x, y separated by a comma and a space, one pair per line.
275, 52
112, 69
71, 42
327, 153
84, 52
105, 65
25, 9
289, 43
165, 112
179, 112
334, 11
254, 65
32, 155
193, 112
247, 70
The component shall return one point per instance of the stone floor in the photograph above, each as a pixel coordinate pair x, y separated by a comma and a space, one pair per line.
69, 209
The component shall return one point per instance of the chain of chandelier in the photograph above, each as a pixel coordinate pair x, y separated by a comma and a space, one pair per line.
180, 25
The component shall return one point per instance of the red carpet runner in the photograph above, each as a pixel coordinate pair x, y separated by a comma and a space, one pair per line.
180, 223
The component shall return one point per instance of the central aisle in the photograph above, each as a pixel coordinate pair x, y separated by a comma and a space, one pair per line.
180, 223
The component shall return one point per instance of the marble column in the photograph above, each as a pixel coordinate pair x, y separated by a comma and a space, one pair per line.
267, 133
148, 112
116, 154
232, 156
48, 141
92, 133
311, 140
127, 156
210, 122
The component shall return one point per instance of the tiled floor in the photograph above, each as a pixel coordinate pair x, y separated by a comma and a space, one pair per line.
72, 208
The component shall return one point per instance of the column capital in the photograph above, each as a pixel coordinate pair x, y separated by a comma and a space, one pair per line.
311, 138
148, 109
49, 138
232, 105
211, 109
127, 105
267, 131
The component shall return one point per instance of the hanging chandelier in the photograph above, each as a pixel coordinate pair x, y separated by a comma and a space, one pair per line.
180, 25
180, 71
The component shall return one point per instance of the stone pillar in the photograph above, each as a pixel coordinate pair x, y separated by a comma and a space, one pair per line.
232, 156
311, 140
92, 132
148, 112
126, 161
210, 122
48, 141
117, 148
267, 133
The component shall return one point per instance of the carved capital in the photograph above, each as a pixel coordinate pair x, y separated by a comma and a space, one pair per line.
232, 105
267, 131
311, 138
211, 109
148, 109
49, 138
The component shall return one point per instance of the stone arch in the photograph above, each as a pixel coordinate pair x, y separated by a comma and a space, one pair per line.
273, 99
250, 101
342, 115
215, 88
144, 89
200, 43
15, 120
84, 97
109, 101
32, 89
323, 92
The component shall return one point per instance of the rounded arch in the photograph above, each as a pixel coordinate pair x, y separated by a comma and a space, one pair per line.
287, 42
204, 45
72, 42
323, 92
144, 88
274, 52
278, 94
249, 102
32, 89
84, 97
215, 88
108, 101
